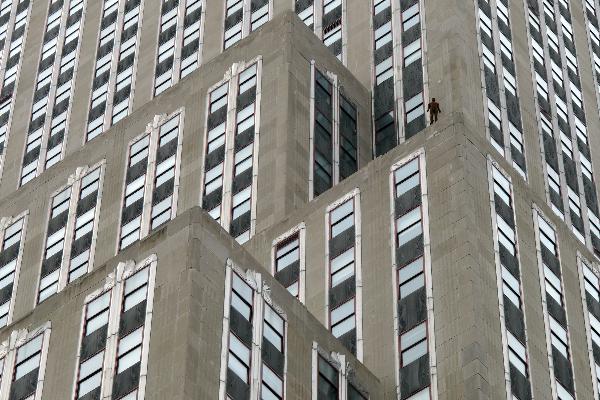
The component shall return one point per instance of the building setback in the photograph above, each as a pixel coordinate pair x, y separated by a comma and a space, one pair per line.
245, 199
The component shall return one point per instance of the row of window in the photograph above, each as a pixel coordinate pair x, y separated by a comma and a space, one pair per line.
243, 17
499, 82
14, 18
512, 313
412, 279
231, 151
114, 344
116, 64
251, 314
555, 316
333, 378
334, 134
343, 250
562, 120
385, 96
54, 87
179, 42
591, 294
326, 18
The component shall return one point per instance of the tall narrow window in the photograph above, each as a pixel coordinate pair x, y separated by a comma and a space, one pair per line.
344, 271
289, 261
152, 179
115, 364
71, 232
243, 17
116, 64
250, 313
334, 134
555, 313
414, 323
333, 378
331, 24
53, 88
590, 286
229, 181
26, 369
11, 254
328, 383
512, 315
179, 42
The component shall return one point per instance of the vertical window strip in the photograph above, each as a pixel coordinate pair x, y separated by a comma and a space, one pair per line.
344, 297
413, 68
590, 292
251, 366
24, 362
231, 151
243, 17
498, 75
179, 42
151, 179
512, 314
53, 88
411, 278
334, 134
289, 261
113, 351
116, 64
71, 232
13, 236
555, 313
14, 20
384, 97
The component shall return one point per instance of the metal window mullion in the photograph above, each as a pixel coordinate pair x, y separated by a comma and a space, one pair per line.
311, 133
178, 45
96, 219
145, 226
41, 165
318, 18
554, 118
225, 333
358, 304
257, 336
335, 104
255, 148
397, 63
229, 159
147, 327
178, 155
247, 15
344, 58
342, 379
567, 80
42, 365
114, 63
69, 234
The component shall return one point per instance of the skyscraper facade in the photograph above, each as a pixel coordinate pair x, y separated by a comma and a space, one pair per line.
247, 199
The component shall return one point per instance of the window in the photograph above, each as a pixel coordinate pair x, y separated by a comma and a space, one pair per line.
238, 181
53, 89
413, 344
305, 11
15, 18
71, 231
328, 381
124, 308
27, 358
243, 17
335, 121
152, 179
178, 54
249, 312
288, 261
116, 65
10, 266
